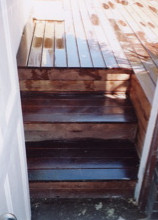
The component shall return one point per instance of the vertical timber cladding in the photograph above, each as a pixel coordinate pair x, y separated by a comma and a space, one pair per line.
143, 108
150, 175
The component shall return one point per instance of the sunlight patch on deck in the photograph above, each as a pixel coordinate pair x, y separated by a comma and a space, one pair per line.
48, 10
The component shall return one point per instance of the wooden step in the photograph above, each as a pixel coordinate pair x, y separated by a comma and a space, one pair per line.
76, 80
88, 167
68, 116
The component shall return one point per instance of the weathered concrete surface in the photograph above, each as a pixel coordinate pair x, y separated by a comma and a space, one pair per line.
86, 209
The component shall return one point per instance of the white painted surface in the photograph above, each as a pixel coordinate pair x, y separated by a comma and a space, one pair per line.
14, 193
18, 12
147, 142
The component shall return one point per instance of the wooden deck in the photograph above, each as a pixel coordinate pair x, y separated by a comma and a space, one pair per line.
98, 34
76, 76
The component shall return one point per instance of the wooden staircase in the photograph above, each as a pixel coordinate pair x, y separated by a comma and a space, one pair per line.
75, 80
79, 133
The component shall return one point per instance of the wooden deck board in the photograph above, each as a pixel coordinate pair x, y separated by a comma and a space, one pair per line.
71, 41
83, 49
113, 34
60, 47
35, 56
78, 161
76, 109
48, 46
95, 51
51, 116
105, 48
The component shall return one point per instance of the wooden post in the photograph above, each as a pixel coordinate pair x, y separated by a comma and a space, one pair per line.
148, 160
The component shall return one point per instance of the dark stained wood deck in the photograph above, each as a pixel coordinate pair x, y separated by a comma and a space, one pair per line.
82, 169
98, 34
82, 160
69, 151
48, 108
67, 116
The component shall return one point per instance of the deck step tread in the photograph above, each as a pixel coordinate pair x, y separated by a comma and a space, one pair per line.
77, 161
69, 109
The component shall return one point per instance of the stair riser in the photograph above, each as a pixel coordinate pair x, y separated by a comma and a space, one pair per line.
74, 86
74, 80
63, 131
82, 189
79, 74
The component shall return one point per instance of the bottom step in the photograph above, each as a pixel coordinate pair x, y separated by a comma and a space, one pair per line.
90, 166
104, 189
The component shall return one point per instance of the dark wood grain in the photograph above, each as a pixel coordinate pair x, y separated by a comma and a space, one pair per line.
64, 110
83, 143
74, 99
142, 109
50, 116
48, 131
81, 153
82, 189
80, 161
82, 174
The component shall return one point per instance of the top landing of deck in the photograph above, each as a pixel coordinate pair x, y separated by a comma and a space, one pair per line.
97, 34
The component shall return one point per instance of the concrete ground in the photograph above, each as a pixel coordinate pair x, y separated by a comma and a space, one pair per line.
86, 209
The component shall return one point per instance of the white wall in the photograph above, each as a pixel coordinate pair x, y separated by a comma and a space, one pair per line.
14, 191
18, 14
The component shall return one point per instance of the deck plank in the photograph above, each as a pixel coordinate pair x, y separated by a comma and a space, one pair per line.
152, 6
48, 46
24, 48
142, 71
135, 52
74, 100
37, 45
69, 109
148, 24
60, 46
71, 44
64, 131
46, 158
74, 74
146, 36
75, 86
144, 6
94, 48
112, 38
105, 48
83, 49
67, 162
82, 175
54, 109
82, 189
